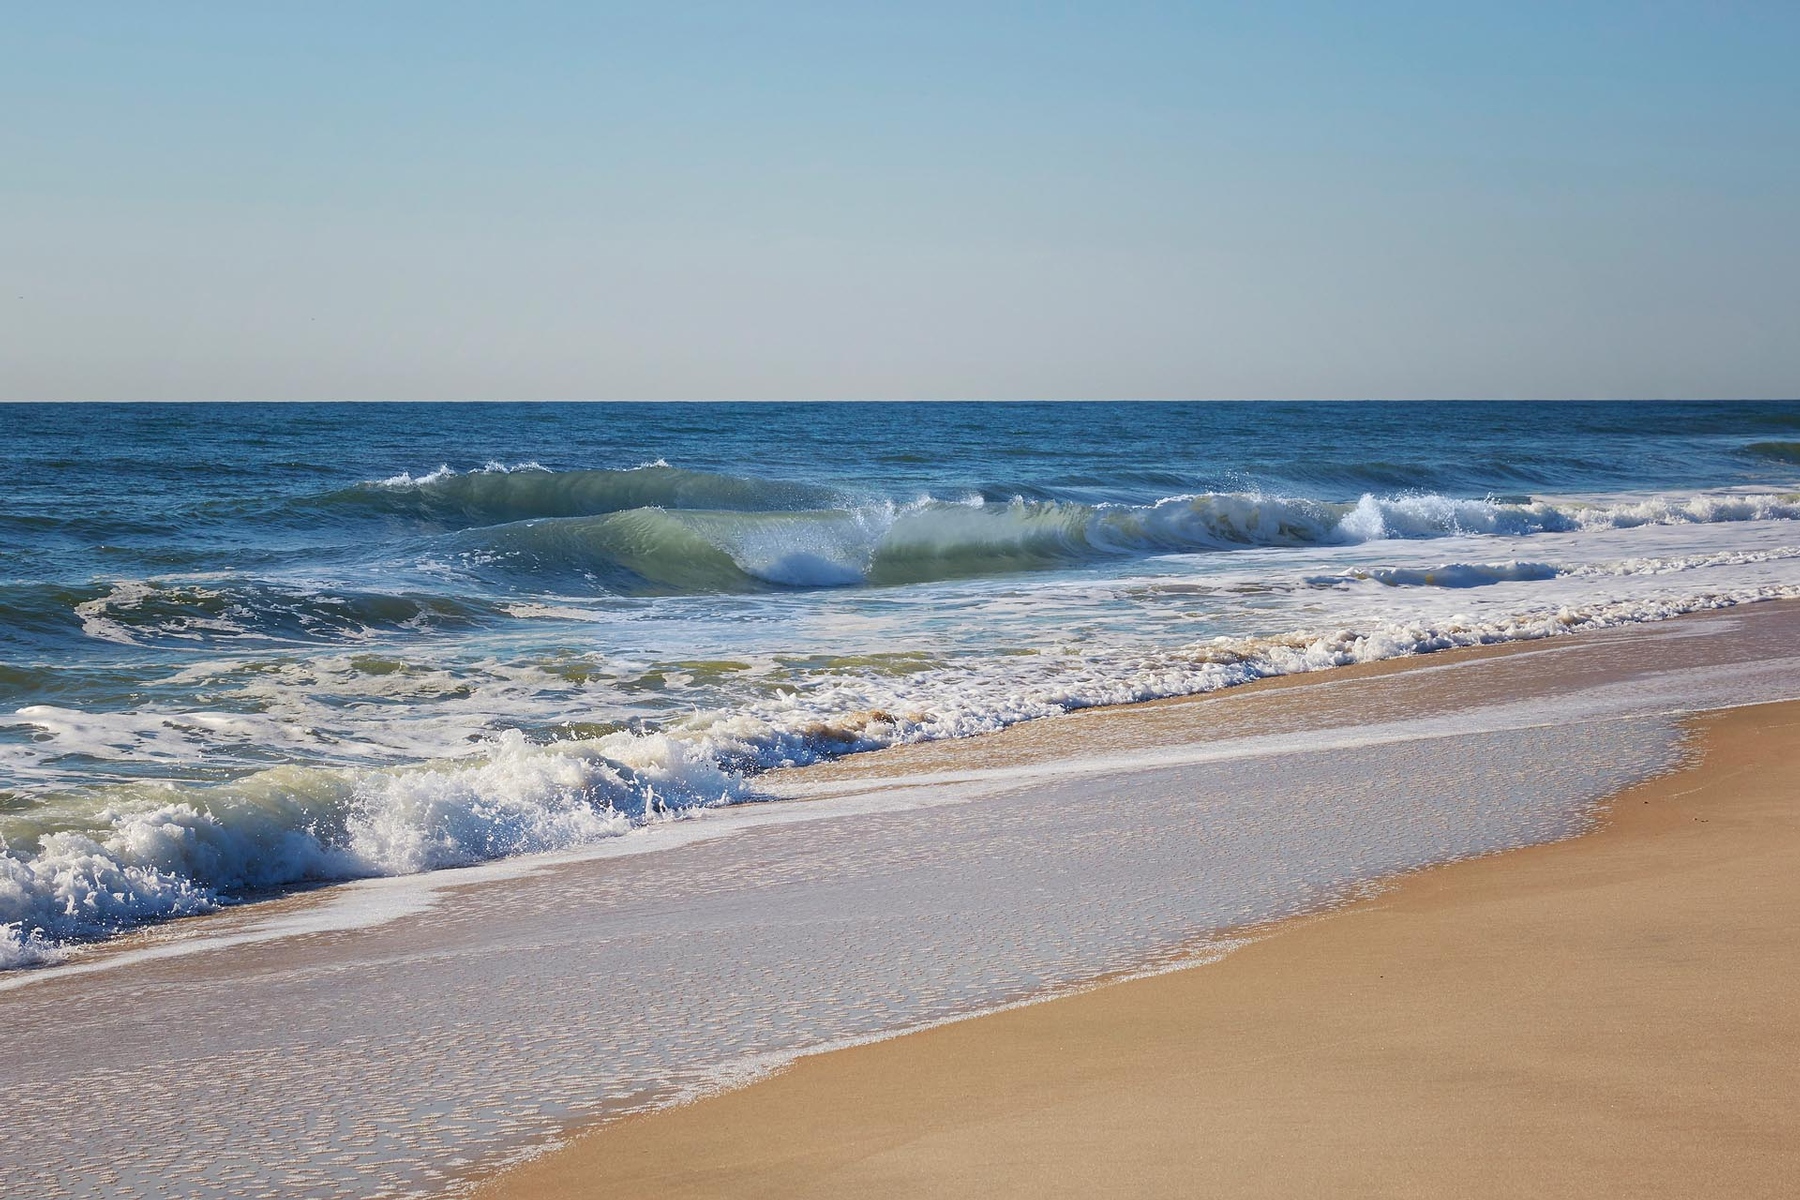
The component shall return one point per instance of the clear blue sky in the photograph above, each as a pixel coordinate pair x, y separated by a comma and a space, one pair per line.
561, 200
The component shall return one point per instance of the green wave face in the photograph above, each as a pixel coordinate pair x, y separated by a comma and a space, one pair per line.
495, 497
1782, 452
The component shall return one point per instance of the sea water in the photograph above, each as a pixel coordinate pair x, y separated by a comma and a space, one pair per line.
248, 647
402, 1036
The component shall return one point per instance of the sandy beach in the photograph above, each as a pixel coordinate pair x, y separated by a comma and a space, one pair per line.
1605, 1012
1607, 1015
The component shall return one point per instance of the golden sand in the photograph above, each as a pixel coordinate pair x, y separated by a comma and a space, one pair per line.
1614, 1015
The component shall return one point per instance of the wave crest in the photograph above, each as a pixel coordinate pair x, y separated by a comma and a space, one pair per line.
499, 494
654, 549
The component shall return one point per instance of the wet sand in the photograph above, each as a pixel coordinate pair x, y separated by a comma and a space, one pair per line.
1609, 1015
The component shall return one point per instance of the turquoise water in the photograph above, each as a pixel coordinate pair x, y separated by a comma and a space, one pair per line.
244, 647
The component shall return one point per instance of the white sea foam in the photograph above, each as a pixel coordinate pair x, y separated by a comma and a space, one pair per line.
152, 853
1469, 575
724, 549
99, 616
406, 479
137, 736
1446, 575
158, 852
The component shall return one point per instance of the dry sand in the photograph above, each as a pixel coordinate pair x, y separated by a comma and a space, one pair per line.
1612, 1015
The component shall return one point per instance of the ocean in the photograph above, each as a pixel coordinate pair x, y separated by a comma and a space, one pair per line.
249, 648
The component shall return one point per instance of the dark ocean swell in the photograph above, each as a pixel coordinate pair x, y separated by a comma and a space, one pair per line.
498, 495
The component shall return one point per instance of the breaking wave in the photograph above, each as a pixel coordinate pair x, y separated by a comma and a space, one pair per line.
148, 852
679, 550
155, 852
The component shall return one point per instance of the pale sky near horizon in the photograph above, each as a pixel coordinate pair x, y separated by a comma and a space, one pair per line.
616, 201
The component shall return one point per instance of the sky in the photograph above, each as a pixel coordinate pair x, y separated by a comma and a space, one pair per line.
452, 201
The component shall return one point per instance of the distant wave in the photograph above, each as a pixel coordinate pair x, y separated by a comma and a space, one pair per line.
1782, 452
497, 493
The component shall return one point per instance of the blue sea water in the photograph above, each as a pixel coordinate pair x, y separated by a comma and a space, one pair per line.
244, 647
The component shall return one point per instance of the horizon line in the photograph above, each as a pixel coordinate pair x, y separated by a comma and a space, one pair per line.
965, 400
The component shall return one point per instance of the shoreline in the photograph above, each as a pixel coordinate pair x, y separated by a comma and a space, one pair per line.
1534, 1019
503, 1013
1023, 741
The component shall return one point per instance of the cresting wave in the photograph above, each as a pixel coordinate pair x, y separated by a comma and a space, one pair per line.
498, 493
699, 550
654, 550
143, 853
662, 529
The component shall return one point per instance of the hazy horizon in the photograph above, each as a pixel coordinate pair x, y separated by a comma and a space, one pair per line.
727, 400
623, 202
